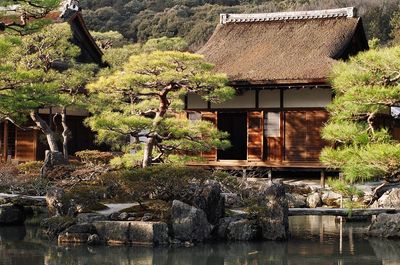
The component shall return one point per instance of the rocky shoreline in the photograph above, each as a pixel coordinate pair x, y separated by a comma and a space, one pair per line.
205, 216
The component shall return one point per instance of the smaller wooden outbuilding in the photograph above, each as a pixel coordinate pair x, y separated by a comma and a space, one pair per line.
22, 144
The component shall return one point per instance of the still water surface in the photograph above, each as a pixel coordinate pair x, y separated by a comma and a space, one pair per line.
315, 240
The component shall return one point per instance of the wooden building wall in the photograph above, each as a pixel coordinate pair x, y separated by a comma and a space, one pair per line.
282, 124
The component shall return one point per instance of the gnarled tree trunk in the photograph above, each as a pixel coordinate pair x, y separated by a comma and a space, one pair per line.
65, 132
149, 145
48, 132
53, 156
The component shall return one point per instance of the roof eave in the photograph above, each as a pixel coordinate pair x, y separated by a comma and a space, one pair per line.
321, 81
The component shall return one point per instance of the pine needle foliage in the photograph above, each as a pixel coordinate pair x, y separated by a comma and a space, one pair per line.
366, 88
143, 100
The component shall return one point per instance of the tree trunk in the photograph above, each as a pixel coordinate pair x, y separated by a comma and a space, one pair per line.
65, 132
149, 146
148, 151
45, 128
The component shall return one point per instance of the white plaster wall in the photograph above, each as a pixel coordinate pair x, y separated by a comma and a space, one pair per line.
307, 97
269, 98
245, 100
195, 101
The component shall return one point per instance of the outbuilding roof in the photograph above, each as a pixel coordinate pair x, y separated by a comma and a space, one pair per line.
289, 47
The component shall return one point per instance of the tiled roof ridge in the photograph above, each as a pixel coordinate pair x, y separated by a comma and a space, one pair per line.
294, 15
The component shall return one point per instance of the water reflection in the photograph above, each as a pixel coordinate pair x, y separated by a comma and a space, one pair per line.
315, 240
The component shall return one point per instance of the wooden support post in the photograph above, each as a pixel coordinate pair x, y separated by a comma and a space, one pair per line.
244, 173
341, 177
5, 140
322, 179
270, 175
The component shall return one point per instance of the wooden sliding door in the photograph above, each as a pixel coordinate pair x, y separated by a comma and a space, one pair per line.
255, 139
25, 145
302, 134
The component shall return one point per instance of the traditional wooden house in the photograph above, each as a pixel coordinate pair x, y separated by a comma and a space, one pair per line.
279, 64
22, 144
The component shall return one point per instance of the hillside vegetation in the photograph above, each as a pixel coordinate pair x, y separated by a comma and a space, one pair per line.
195, 20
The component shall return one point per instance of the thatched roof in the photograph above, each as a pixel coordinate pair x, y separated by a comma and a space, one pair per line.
295, 47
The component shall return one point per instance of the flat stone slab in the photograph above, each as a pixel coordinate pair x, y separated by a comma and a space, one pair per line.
132, 232
341, 211
116, 207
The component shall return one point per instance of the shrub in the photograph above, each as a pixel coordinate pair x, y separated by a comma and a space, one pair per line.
94, 157
164, 181
32, 167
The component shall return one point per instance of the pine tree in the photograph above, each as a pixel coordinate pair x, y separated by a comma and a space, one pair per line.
366, 88
143, 101
40, 71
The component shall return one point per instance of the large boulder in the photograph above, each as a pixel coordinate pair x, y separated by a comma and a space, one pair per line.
243, 230
331, 198
390, 199
77, 234
132, 232
53, 226
273, 216
385, 225
296, 200
11, 215
208, 197
56, 202
314, 200
233, 200
189, 223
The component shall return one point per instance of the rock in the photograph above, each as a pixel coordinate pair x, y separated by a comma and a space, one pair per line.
243, 230
232, 200
73, 238
55, 225
221, 231
208, 198
302, 189
189, 223
90, 217
136, 232
52, 159
25, 201
390, 199
57, 203
385, 225
123, 216
93, 240
314, 200
296, 200
85, 228
11, 214
273, 218
147, 217
387, 187
331, 198
114, 216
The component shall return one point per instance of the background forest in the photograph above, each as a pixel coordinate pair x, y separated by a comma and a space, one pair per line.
195, 20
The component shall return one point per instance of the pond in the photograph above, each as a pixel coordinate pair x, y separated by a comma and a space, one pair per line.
314, 240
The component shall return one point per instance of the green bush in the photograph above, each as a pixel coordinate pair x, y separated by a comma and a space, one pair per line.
94, 157
32, 167
164, 181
